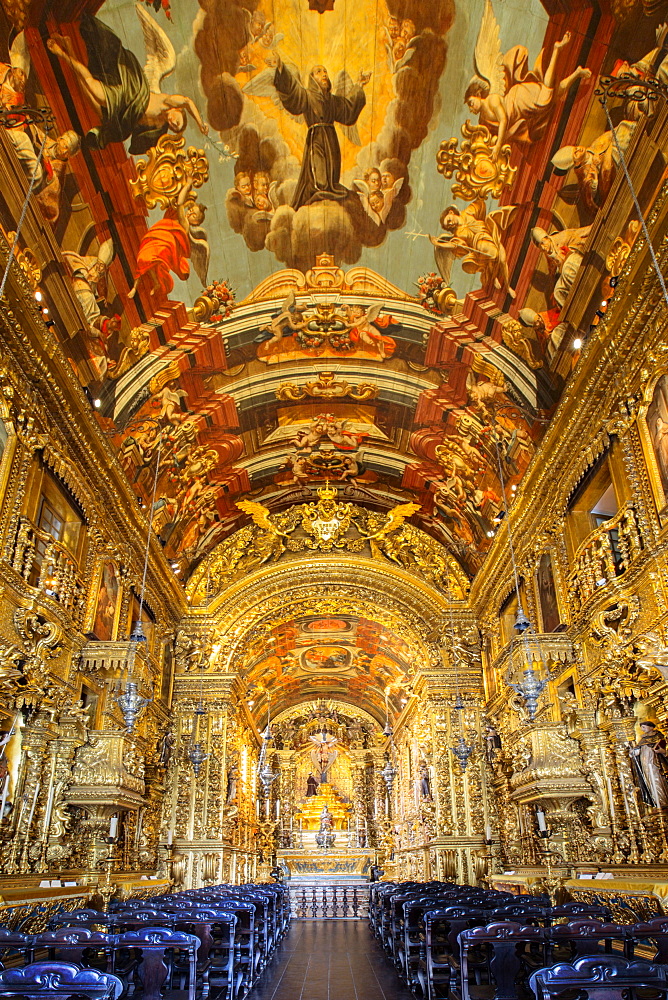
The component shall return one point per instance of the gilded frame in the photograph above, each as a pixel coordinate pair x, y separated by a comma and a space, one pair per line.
94, 597
659, 488
548, 550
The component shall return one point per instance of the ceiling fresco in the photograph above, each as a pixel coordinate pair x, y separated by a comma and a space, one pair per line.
353, 659
298, 248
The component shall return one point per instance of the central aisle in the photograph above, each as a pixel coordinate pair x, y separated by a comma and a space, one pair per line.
329, 960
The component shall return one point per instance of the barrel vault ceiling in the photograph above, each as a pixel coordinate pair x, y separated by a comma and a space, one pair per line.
285, 277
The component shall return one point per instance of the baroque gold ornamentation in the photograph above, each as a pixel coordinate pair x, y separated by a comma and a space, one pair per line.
327, 386
478, 172
519, 339
161, 178
324, 526
27, 261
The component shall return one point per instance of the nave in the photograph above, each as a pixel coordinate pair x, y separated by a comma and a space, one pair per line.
424, 940
329, 960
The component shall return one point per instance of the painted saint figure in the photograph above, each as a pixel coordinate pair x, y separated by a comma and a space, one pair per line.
649, 758
564, 251
319, 179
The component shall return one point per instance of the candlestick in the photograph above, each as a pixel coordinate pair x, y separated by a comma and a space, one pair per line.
5, 791
170, 838
32, 808
113, 827
488, 832
540, 816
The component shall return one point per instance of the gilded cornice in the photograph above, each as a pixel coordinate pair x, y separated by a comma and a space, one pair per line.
73, 442
592, 409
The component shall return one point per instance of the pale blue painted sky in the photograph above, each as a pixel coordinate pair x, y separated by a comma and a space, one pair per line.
400, 259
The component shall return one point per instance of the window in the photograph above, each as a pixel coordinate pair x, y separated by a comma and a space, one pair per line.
57, 516
593, 503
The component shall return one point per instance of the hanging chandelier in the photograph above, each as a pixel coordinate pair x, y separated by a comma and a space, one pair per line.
196, 754
525, 680
266, 776
389, 774
130, 702
461, 750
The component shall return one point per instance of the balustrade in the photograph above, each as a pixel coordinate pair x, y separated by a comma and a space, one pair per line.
605, 554
46, 564
334, 902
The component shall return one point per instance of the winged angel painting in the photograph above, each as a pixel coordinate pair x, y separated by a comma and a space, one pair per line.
511, 99
127, 96
323, 145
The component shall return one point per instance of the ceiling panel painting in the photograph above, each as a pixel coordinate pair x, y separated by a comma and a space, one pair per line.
295, 251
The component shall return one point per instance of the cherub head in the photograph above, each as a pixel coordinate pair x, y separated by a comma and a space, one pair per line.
399, 49
260, 182
242, 183
450, 218
355, 312
393, 28
262, 202
268, 35
257, 23
177, 120
407, 29
195, 213
373, 178
387, 179
376, 201
321, 77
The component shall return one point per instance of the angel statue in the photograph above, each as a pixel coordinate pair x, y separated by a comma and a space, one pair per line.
475, 237
321, 162
393, 520
270, 544
514, 102
126, 95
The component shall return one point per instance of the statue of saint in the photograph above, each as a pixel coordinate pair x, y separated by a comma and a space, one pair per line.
311, 785
649, 758
232, 779
424, 785
326, 821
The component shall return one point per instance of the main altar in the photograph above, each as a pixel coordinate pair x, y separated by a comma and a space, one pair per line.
326, 820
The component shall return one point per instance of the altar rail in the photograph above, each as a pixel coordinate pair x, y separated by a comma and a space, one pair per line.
310, 901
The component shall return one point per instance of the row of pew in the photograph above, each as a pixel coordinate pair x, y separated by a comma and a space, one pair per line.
217, 938
454, 942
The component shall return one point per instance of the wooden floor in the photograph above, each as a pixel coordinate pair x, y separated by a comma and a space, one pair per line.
329, 960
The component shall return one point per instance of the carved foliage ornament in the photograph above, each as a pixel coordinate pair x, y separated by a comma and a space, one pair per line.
327, 387
325, 526
477, 173
161, 178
